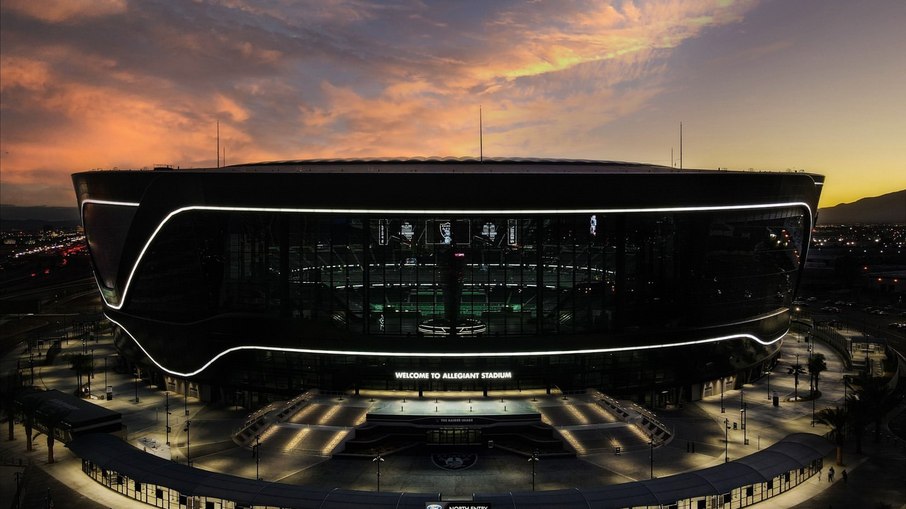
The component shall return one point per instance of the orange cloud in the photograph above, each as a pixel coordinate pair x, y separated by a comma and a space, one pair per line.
58, 11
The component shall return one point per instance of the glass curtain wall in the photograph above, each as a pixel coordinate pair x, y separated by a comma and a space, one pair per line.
474, 275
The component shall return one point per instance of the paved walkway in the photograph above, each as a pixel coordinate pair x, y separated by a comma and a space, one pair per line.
700, 425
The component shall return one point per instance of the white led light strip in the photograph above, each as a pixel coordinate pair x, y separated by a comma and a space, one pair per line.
172, 214
442, 354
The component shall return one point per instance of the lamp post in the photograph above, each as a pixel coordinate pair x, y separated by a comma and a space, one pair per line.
745, 413
105, 373
742, 406
378, 459
651, 457
135, 381
813, 408
188, 450
185, 397
534, 459
726, 440
167, 408
257, 454
722, 409
796, 370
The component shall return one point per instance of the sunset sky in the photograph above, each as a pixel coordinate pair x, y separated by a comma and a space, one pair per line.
814, 85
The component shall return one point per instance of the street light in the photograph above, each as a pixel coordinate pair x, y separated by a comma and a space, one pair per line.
256, 452
167, 408
651, 456
726, 440
378, 459
796, 370
188, 450
745, 413
742, 405
534, 459
722, 409
138, 373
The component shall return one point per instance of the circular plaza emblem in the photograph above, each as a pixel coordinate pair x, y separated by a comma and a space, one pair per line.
453, 460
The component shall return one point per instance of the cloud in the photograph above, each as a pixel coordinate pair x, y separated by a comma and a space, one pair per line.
58, 11
104, 84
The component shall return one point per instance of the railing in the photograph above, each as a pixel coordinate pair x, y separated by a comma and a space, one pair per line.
644, 419
269, 415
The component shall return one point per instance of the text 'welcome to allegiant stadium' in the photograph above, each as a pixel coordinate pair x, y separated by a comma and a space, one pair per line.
454, 375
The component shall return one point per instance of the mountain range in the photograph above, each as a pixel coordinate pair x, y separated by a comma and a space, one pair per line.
885, 209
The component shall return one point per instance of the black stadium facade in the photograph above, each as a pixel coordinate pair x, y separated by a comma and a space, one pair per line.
258, 281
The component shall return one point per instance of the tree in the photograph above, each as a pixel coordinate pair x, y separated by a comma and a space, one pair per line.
816, 364
11, 385
872, 397
52, 418
28, 406
82, 363
836, 419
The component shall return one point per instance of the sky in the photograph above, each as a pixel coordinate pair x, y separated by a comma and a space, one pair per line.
805, 85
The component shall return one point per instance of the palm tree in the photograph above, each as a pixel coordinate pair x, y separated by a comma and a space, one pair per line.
82, 363
11, 384
28, 406
836, 419
816, 364
872, 396
51, 418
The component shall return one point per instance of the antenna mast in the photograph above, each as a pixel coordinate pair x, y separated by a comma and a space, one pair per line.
218, 144
480, 137
681, 145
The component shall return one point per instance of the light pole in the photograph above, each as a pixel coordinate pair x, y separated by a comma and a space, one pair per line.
742, 406
534, 459
813, 408
105, 373
378, 459
91, 371
188, 450
135, 381
795, 370
185, 397
651, 457
745, 413
726, 440
722, 409
167, 408
257, 454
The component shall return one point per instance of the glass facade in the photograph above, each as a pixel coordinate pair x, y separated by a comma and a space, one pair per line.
485, 275
276, 277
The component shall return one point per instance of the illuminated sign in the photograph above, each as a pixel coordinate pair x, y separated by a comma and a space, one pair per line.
457, 505
512, 232
446, 232
407, 231
383, 233
453, 375
489, 230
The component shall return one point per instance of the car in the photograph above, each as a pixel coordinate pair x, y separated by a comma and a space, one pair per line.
897, 325
830, 309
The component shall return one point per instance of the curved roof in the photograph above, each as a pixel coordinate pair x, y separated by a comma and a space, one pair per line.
795, 451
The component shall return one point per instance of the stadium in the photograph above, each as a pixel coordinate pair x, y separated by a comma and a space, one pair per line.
255, 282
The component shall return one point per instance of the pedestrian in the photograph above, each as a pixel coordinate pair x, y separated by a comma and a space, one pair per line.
830, 475
845, 475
